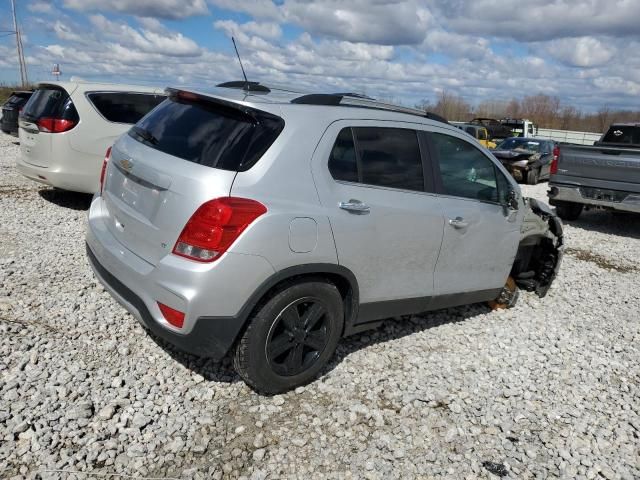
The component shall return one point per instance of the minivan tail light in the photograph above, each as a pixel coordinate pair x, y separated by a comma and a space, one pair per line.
103, 172
214, 227
54, 125
554, 163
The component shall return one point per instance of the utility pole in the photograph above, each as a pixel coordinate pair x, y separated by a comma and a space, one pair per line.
23, 66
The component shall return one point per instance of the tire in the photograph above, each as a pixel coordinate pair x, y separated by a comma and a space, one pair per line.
569, 210
533, 176
291, 337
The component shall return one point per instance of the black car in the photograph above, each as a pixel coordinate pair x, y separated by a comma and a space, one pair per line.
11, 109
527, 159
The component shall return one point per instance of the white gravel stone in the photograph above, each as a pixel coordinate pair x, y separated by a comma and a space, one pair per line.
548, 389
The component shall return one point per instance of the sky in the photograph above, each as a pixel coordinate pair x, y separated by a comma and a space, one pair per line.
586, 52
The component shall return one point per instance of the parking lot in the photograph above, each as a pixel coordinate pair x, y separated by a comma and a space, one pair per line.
550, 388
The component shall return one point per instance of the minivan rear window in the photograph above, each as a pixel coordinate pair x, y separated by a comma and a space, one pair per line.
50, 102
208, 132
124, 107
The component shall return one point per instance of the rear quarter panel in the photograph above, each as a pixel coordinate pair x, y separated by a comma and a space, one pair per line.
283, 182
93, 135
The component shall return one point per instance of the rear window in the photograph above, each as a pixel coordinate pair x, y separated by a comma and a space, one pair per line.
124, 107
628, 134
50, 103
209, 133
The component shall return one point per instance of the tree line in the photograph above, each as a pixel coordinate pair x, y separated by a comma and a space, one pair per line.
544, 110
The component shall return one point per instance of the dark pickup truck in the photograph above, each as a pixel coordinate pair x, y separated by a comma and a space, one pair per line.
496, 129
605, 175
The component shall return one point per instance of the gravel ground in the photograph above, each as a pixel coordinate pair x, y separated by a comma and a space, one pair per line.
547, 389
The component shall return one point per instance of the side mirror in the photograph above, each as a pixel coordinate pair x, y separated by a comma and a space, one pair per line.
512, 200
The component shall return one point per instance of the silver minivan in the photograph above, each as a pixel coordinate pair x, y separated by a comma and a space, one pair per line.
268, 225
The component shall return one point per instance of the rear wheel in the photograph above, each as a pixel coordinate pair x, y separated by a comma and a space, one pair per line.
291, 337
569, 210
533, 176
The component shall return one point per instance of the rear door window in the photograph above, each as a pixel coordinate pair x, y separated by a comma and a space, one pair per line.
208, 132
624, 134
50, 103
384, 157
390, 157
124, 107
464, 170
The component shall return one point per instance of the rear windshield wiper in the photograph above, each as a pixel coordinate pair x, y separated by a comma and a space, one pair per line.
146, 135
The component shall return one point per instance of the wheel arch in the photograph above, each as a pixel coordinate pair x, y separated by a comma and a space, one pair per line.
344, 280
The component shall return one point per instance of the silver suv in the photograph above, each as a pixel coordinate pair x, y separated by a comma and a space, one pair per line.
271, 225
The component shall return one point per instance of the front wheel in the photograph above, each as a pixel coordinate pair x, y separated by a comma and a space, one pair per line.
569, 210
291, 337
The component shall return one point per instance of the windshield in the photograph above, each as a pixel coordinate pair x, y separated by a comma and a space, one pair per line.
513, 143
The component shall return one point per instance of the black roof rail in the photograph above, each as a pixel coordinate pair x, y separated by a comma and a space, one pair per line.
436, 117
362, 101
318, 99
247, 86
355, 95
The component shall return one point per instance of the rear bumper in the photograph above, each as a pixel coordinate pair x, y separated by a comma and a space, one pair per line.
214, 297
209, 337
613, 199
60, 177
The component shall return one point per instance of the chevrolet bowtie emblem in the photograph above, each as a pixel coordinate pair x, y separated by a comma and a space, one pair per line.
126, 164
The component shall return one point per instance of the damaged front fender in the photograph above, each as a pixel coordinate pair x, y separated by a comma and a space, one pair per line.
541, 248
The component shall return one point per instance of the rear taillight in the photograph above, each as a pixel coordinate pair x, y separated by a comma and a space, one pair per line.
55, 125
103, 172
174, 317
214, 227
554, 163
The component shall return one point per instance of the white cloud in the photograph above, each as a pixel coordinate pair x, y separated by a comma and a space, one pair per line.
384, 49
255, 8
542, 19
147, 41
387, 22
392, 22
582, 52
266, 30
173, 9
40, 7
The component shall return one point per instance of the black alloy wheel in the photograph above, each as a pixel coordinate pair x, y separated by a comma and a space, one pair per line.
291, 336
298, 336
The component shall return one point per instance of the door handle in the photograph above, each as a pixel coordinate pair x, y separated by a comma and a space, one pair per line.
458, 222
355, 206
